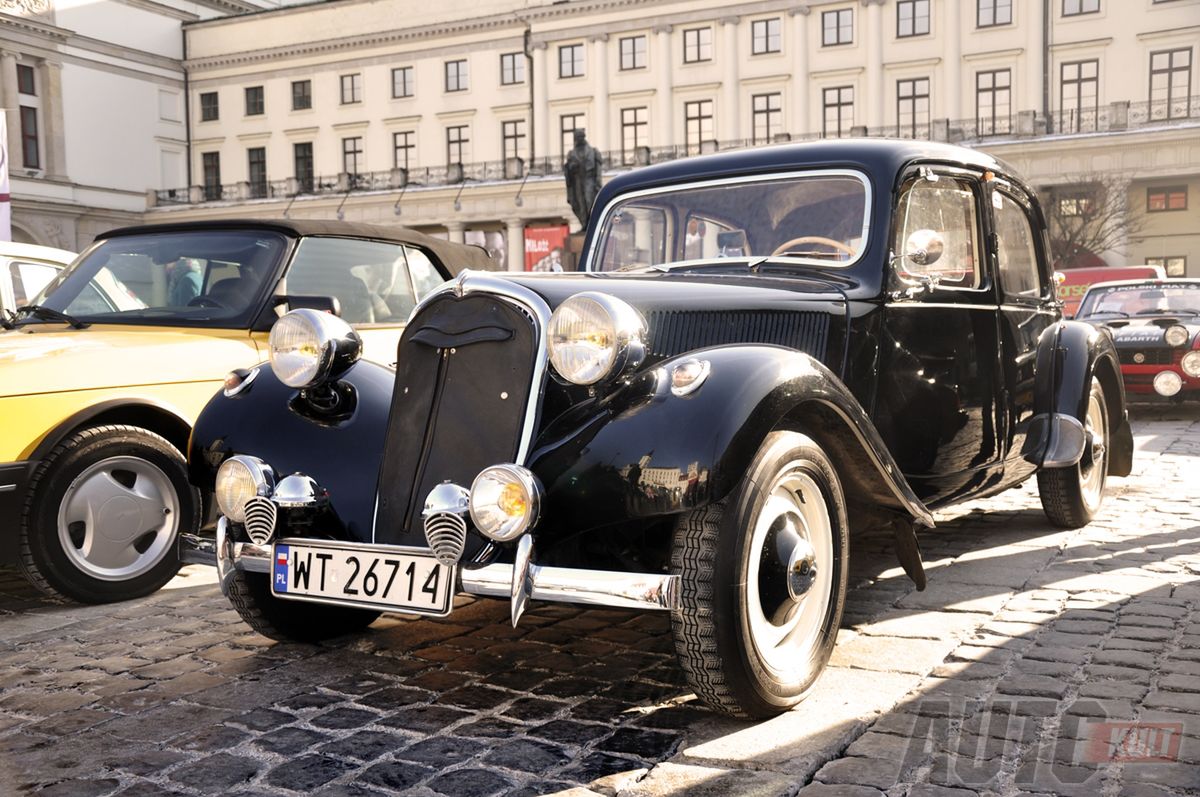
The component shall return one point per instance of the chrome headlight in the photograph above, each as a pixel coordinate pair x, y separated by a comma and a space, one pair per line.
307, 347
1191, 364
505, 501
1177, 335
239, 479
593, 336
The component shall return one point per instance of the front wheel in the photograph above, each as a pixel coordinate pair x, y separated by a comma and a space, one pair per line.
289, 620
1072, 496
763, 581
102, 514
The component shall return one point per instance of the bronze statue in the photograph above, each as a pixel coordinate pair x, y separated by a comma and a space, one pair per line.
582, 171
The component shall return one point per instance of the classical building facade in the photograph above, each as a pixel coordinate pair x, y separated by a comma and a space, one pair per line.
94, 93
455, 118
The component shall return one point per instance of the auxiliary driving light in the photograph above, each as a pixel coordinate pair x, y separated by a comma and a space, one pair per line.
1191, 364
1177, 335
505, 501
239, 479
1167, 383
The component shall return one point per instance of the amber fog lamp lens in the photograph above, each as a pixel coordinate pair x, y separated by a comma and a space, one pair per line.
1177, 335
505, 500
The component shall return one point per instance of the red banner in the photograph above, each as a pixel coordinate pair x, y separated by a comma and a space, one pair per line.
545, 248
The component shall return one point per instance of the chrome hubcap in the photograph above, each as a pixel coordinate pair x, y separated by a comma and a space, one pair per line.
118, 518
789, 582
1094, 464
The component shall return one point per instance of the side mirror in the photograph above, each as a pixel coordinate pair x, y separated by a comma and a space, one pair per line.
322, 304
924, 247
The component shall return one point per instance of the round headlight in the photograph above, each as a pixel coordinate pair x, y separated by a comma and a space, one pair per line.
505, 501
593, 336
239, 479
1177, 335
1167, 383
307, 347
1191, 364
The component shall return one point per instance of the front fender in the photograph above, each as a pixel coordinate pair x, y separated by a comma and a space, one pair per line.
643, 451
1070, 354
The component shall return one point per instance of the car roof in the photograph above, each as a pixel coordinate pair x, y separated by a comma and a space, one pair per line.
1148, 282
34, 251
456, 257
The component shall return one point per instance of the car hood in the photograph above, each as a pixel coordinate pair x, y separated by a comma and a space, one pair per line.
50, 359
1146, 331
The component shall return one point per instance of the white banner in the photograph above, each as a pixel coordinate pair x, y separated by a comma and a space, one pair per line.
5, 199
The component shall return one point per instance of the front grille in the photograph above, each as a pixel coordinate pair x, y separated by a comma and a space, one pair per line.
447, 536
674, 332
464, 376
1152, 356
260, 515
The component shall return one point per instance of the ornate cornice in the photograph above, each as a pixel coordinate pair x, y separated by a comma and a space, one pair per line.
25, 6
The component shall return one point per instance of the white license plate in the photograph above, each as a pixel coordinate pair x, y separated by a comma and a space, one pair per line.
368, 576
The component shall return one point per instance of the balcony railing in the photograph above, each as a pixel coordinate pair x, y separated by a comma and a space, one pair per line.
1115, 117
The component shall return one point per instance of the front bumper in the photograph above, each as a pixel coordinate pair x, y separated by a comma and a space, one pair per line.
1139, 382
14, 480
520, 582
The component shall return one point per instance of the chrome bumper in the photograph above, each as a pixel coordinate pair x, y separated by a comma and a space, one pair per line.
520, 583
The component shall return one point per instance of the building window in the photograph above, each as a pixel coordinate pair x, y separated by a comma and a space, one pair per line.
30, 144
1159, 200
512, 69
912, 107
456, 75
989, 13
513, 133
302, 158
697, 45
697, 124
837, 27
633, 52
404, 148
765, 36
912, 18
568, 123
1073, 8
352, 155
570, 60
1074, 204
209, 107
211, 166
1174, 265
26, 80
1079, 95
402, 82
1170, 83
456, 144
839, 111
767, 116
256, 158
993, 96
635, 132
301, 95
254, 101
351, 88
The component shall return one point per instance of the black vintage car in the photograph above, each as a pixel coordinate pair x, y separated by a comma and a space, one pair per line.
1155, 324
770, 351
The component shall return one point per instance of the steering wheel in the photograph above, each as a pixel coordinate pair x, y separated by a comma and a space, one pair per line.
205, 301
812, 239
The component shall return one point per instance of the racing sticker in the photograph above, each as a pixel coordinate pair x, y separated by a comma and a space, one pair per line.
281, 568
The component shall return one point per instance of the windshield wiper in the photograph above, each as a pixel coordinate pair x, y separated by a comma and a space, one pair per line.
50, 314
7, 320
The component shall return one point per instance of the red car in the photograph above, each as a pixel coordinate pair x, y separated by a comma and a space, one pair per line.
1156, 326
1076, 281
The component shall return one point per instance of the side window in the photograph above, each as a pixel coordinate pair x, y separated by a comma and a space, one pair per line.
28, 279
705, 237
368, 278
1015, 250
637, 236
424, 275
938, 214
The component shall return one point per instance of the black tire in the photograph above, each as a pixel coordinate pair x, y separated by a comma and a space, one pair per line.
715, 637
1070, 496
290, 620
64, 563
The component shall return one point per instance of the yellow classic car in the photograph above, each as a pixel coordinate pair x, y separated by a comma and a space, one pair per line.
24, 271
103, 373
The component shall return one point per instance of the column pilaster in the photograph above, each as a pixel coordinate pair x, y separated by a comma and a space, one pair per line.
600, 134
10, 103
541, 105
455, 231
516, 244
730, 113
52, 119
662, 126
801, 96
875, 90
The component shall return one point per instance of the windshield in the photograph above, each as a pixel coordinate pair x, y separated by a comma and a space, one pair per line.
1135, 300
818, 218
207, 276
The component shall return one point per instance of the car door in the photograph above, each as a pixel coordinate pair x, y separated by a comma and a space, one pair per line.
939, 355
1020, 259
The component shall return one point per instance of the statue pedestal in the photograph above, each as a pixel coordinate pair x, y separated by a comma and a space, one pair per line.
574, 249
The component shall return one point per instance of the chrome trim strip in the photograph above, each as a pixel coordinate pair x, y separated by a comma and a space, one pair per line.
606, 213
656, 591
233, 556
7, 488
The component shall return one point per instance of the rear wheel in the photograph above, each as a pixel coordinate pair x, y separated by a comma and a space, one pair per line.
1072, 496
288, 620
763, 582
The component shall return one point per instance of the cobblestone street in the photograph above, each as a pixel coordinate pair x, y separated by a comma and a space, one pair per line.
1037, 661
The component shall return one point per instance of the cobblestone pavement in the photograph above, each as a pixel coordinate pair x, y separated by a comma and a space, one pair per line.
1037, 661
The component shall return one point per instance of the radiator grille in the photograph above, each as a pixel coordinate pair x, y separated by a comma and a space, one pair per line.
674, 332
1152, 356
